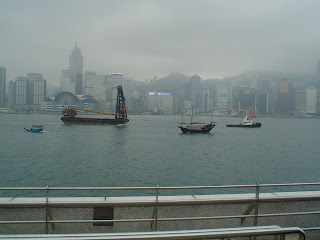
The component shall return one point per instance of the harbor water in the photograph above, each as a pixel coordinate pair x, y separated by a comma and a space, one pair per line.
152, 151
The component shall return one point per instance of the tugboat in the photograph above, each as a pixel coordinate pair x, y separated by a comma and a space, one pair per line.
34, 128
196, 127
247, 123
120, 117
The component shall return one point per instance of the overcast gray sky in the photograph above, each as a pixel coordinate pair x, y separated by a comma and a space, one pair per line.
145, 38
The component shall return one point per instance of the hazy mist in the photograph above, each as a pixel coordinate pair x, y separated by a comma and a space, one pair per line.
144, 38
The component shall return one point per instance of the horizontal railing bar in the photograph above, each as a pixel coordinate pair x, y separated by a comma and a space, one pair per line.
311, 229
154, 188
288, 184
147, 233
165, 219
74, 188
198, 235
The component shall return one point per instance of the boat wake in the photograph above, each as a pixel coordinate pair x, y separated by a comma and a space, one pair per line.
121, 125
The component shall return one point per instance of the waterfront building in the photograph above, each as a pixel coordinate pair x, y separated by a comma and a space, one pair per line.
167, 103
22, 93
11, 94
205, 101
159, 102
260, 101
222, 99
194, 91
285, 98
76, 68
38, 88
135, 102
95, 85
311, 101
66, 83
2, 87
64, 99
300, 101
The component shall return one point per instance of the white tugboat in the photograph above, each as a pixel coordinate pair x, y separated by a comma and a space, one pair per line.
246, 123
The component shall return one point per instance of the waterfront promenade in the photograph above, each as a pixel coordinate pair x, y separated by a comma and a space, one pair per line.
78, 215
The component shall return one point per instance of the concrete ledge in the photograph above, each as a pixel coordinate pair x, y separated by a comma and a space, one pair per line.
162, 200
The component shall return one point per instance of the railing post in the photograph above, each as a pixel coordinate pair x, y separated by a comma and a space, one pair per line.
256, 210
156, 214
47, 213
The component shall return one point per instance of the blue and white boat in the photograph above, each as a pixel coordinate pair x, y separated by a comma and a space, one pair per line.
34, 128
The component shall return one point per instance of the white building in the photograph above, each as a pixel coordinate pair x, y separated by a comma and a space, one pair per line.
160, 102
223, 99
95, 85
22, 92
66, 82
38, 88
311, 102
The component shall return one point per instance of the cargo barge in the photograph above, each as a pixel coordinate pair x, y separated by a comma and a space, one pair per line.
120, 116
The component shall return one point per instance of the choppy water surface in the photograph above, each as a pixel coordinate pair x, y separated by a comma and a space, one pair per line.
153, 152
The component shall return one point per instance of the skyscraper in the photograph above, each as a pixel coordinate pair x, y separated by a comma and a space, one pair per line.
67, 85
95, 85
22, 93
285, 97
37, 88
311, 101
195, 91
2, 86
76, 68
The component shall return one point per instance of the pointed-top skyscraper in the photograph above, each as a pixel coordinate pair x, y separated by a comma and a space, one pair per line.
76, 68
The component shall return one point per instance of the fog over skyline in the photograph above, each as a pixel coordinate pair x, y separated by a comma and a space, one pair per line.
146, 38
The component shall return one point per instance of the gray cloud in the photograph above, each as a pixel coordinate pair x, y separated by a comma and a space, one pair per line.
143, 38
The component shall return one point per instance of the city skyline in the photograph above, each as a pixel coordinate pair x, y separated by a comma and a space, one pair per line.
143, 39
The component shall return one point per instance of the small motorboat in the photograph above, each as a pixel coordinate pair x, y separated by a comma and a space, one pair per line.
34, 128
247, 123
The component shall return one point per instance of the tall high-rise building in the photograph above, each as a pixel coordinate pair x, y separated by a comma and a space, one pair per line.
222, 99
2, 87
11, 94
66, 84
311, 101
76, 68
300, 100
38, 87
285, 98
195, 91
22, 93
205, 100
95, 85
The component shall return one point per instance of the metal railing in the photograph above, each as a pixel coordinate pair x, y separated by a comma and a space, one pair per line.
173, 235
254, 206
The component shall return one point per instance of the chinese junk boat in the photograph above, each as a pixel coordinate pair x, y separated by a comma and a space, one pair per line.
247, 123
196, 127
120, 117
